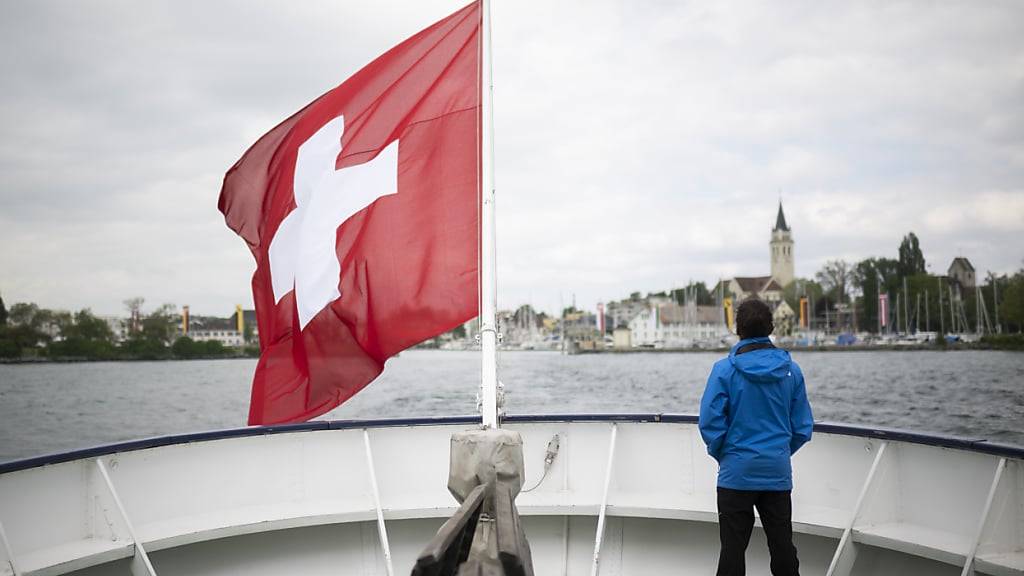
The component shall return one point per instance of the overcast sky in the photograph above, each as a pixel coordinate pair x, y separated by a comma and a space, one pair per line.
640, 144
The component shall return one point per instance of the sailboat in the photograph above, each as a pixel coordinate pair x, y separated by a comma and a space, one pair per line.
625, 494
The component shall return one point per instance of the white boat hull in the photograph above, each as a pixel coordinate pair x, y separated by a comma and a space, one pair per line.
301, 501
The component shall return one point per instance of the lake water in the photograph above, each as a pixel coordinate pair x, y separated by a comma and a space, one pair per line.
57, 407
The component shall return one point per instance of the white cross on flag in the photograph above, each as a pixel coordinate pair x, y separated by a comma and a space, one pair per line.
361, 212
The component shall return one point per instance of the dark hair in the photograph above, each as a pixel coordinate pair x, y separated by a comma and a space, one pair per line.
753, 319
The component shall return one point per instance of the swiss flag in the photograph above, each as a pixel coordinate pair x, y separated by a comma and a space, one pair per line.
362, 213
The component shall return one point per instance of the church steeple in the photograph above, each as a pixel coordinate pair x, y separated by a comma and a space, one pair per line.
780, 221
781, 246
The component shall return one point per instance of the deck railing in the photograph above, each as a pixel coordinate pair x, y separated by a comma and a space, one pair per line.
955, 501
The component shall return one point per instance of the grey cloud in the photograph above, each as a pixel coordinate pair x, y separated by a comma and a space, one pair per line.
639, 144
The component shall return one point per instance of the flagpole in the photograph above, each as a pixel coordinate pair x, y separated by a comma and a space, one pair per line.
488, 268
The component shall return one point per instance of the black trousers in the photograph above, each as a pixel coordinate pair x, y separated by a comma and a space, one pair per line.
736, 522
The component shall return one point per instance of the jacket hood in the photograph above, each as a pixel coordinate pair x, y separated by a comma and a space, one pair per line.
765, 365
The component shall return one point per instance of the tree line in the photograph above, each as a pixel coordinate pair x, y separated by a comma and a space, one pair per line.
30, 332
917, 299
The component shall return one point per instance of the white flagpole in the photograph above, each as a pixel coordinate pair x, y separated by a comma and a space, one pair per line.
488, 268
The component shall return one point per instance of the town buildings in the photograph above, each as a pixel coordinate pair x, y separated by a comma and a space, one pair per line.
677, 326
660, 320
234, 331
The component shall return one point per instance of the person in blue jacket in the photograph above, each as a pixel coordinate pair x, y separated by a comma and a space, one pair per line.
754, 416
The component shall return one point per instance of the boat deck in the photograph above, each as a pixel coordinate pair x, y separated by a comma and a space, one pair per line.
866, 501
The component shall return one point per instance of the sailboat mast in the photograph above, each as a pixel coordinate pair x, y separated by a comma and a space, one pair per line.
488, 268
952, 310
942, 314
995, 302
917, 314
906, 307
979, 309
927, 314
878, 301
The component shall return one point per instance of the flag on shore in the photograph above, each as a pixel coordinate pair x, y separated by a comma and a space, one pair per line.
361, 211
883, 310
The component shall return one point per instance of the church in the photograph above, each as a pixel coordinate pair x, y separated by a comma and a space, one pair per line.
770, 288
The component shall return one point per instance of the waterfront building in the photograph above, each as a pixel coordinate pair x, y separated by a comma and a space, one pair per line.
622, 312
784, 318
248, 322
580, 330
962, 272
622, 338
674, 326
231, 338
235, 331
764, 288
781, 247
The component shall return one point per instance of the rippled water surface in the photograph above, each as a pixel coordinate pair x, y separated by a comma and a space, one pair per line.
56, 407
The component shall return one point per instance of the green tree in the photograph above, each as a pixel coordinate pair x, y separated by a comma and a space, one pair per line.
83, 335
65, 323
22, 333
155, 334
3, 312
910, 256
214, 348
459, 332
800, 288
24, 314
698, 289
8, 348
835, 277
143, 349
1011, 305
89, 327
868, 276
184, 348
161, 325
18, 339
134, 307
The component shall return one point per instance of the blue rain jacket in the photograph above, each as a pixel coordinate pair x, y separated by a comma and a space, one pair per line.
754, 415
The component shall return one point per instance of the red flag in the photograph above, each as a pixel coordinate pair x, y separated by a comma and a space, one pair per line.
361, 212
883, 309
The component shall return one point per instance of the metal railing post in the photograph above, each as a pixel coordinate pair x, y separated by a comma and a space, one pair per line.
8, 554
596, 568
140, 565
969, 564
843, 568
381, 529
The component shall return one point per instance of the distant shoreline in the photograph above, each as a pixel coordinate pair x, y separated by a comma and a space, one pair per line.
79, 360
851, 348
976, 346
